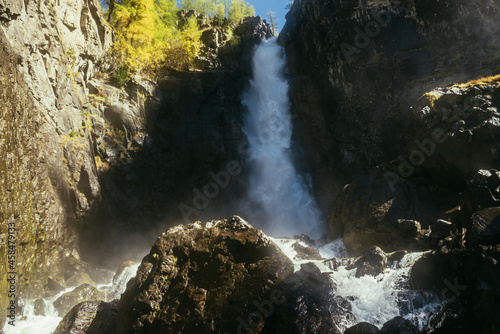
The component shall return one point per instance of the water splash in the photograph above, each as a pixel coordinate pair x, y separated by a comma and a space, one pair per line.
119, 283
29, 323
375, 300
279, 194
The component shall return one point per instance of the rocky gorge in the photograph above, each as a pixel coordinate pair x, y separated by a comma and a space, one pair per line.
400, 144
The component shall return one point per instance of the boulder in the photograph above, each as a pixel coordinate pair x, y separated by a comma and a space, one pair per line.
306, 252
84, 292
363, 328
399, 325
309, 305
39, 307
371, 211
204, 277
91, 317
373, 262
485, 227
467, 281
480, 208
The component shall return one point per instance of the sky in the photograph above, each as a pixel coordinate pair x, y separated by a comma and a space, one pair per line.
277, 6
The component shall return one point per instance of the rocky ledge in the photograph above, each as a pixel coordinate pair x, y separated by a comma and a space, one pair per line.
444, 184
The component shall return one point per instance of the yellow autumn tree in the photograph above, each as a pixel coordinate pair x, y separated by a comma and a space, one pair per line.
143, 35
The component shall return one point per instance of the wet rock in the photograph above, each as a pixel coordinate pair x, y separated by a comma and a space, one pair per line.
363, 328
467, 280
396, 257
84, 292
305, 238
79, 279
39, 307
480, 207
440, 230
120, 279
91, 317
78, 272
485, 227
53, 287
204, 277
122, 267
399, 325
449, 319
373, 212
309, 304
306, 253
373, 262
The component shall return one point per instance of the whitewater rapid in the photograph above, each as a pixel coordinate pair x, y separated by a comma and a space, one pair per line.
375, 300
280, 194
29, 323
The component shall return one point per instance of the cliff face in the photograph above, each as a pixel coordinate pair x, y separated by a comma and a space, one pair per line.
357, 66
49, 179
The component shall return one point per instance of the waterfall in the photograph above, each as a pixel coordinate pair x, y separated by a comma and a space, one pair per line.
281, 196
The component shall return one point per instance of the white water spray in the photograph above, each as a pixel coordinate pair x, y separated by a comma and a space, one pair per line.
30, 323
284, 200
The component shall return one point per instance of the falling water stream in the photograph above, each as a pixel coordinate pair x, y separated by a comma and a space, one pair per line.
282, 195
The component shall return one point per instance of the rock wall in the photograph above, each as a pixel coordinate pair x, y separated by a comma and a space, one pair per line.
49, 177
357, 66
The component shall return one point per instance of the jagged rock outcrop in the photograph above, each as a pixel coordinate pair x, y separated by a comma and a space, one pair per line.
467, 280
204, 277
369, 213
84, 292
457, 127
357, 66
90, 317
456, 130
373, 262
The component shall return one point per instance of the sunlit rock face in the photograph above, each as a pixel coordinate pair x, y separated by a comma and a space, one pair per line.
357, 66
203, 277
49, 179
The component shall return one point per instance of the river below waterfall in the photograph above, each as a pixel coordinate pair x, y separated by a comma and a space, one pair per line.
29, 322
375, 300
